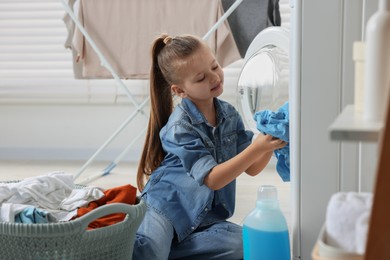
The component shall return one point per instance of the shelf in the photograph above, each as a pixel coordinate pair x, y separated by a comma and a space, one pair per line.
350, 126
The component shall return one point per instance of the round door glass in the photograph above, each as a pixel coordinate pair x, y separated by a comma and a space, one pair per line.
263, 83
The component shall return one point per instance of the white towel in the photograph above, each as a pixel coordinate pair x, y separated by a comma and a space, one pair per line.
362, 224
343, 211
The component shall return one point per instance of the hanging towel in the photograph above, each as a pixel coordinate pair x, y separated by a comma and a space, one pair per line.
124, 194
277, 125
346, 221
124, 30
70, 27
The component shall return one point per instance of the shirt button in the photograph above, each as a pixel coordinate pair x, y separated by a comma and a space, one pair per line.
192, 228
206, 209
224, 204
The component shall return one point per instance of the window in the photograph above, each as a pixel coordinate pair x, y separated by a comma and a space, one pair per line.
35, 66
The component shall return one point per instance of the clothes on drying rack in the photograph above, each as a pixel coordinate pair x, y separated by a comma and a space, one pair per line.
70, 26
277, 125
123, 30
250, 18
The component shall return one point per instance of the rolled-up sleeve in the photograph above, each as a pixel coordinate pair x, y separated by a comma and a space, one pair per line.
244, 136
184, 142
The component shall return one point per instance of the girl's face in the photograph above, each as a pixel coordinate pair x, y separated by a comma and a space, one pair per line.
202, 77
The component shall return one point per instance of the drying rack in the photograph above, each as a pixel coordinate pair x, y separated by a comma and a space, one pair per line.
138, 106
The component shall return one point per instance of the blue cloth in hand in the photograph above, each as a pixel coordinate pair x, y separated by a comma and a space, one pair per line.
277, 125
31, 215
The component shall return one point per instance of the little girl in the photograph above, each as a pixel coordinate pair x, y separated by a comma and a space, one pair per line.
192, 155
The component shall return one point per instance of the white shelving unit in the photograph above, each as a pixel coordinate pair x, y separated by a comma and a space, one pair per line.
350, 126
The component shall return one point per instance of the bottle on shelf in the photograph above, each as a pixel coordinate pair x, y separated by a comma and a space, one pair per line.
265, 231
377, 63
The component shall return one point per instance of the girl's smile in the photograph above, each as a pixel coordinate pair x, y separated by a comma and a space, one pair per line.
217, 87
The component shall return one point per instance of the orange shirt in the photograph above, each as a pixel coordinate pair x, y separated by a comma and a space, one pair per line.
124, 194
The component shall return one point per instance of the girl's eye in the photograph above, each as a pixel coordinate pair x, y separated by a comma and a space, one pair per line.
199, 80
215, 67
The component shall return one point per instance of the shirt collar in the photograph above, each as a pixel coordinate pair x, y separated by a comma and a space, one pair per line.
197, 117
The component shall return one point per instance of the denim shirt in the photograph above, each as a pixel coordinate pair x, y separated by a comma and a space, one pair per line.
193, 147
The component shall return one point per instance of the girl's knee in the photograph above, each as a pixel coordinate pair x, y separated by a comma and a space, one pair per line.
147, 248
153, 238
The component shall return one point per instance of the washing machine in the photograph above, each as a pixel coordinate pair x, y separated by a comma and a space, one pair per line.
265, 83
264, 79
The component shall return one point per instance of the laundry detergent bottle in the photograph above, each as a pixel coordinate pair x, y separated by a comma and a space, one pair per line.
265, 231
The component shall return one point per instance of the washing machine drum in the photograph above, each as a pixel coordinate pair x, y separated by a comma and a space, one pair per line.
263, 81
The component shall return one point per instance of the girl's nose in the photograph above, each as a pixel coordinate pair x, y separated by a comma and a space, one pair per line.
215, 78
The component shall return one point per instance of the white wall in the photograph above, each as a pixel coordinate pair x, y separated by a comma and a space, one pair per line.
75, 130
321, 60
69, 132
329, 29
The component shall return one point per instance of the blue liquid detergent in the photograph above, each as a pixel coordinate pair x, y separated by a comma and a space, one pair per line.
265, 245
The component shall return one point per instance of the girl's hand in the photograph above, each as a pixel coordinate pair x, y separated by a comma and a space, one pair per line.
267, 143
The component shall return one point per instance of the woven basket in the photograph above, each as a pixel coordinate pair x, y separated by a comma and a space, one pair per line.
72, 240
323, 251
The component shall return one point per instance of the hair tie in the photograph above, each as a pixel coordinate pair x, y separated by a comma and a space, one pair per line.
167, 40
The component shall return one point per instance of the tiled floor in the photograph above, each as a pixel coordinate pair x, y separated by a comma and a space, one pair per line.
125, 173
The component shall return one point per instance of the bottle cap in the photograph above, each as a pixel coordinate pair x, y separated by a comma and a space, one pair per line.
267, 193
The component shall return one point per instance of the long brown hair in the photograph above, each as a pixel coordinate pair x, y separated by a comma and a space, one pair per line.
168, 55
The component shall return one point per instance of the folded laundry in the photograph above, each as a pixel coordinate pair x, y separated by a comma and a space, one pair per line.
362, 224
346, 221
277, 125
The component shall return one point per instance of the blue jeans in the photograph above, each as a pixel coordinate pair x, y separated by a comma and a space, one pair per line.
155, 241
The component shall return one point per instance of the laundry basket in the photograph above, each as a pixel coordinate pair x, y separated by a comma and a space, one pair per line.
71, 239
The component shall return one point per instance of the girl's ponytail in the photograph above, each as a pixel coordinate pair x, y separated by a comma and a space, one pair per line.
161, 105
168, 55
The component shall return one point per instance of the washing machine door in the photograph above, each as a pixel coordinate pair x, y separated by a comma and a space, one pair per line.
263, 81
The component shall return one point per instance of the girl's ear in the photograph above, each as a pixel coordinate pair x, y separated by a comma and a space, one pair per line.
177, 90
